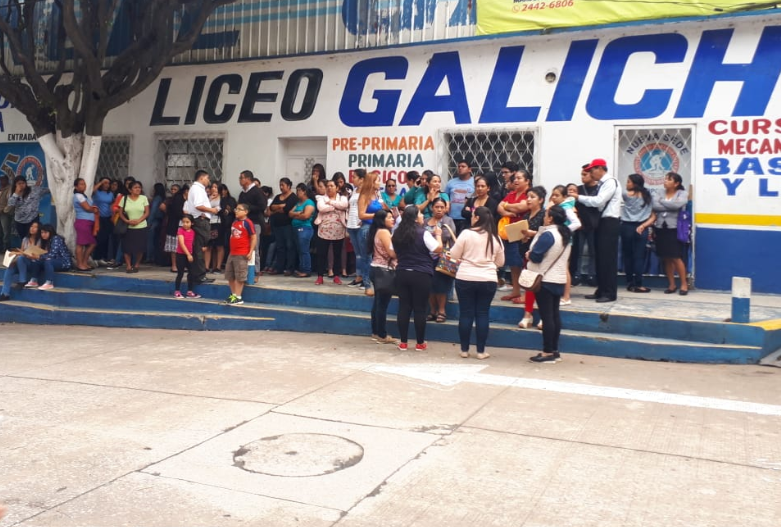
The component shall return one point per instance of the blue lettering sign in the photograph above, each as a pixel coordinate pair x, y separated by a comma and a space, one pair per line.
571, 80
442, 66
764, 192
749, 164
716, 166
496, 109
732, 186
394, 68
759, 77
668, 48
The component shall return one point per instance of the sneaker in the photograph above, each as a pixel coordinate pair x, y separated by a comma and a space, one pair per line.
319, 280
337, 280
230, 297
505, 287
402, 346
46, 286
31, 284
387, 340
483, 356
375, 337
526, 323
546, 359
193, 294
355, 283
421, 347
234, 300
464, 354
102, 263
539, 325
177, 294
565, 302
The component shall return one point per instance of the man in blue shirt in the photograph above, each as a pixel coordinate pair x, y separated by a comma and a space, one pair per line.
460, 188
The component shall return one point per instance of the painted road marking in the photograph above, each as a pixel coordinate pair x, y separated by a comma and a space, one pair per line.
452, 375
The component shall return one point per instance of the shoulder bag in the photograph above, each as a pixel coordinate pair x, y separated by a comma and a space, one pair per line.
532, 280
446, 264
120, 229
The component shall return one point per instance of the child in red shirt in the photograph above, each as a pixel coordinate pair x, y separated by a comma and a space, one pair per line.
184, 257
243, 241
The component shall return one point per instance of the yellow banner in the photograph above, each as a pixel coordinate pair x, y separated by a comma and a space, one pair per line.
505, 16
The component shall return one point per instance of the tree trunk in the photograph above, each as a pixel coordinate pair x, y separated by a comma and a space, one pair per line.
68, 158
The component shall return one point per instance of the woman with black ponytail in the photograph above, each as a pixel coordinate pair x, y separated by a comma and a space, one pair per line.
637, 216
548, 255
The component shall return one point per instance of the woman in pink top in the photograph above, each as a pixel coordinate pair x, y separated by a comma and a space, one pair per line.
383, 257
481, 252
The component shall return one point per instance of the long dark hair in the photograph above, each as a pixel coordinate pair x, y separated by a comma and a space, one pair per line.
158, 191
407, 232
559, 218
45, 244
37, 234
378, 222
27, 189
485, 223
638, 182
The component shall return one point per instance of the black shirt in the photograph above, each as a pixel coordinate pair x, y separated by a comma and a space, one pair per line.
257, 203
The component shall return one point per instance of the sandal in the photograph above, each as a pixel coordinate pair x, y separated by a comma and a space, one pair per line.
441, 317
519, 300
431, 317
510, 297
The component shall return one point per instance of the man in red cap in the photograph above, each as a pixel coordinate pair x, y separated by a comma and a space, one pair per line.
608, 202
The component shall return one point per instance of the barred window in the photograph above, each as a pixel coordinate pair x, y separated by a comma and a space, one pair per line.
114, 158
486, 150
179, 156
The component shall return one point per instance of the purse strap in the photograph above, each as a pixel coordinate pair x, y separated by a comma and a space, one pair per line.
563, 249
452, 235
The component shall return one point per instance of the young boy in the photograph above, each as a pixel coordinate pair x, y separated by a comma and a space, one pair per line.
242, 243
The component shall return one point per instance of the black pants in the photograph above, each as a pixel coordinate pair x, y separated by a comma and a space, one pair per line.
607, 257
322, 255
548, 306
202, 236
379, 308
183, 263
413, 288
104, 239
633, 251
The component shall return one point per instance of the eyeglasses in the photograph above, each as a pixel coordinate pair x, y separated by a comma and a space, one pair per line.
389, 186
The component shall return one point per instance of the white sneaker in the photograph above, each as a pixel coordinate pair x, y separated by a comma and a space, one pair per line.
565, 302
32, 283
526, 323
46, 286
505, 287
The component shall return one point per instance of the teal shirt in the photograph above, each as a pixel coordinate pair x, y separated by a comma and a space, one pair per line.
391, 202
300, 208
421, 198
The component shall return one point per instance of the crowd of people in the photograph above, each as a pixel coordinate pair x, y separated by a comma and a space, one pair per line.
337, 229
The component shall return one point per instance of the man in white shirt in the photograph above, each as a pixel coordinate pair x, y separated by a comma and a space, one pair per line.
608, 201
200, 207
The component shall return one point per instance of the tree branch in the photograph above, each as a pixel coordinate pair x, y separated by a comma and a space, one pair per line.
91, 65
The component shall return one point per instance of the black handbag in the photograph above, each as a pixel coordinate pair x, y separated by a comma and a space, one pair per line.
384, 280
120, 229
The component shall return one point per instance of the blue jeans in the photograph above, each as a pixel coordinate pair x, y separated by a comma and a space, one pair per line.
286, 248
33, 267
379, 312
8, 278
363, 249
304, 236
474, 303
354, 235
633, 252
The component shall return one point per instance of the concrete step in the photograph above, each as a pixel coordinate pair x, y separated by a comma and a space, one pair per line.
608, 319
101, 308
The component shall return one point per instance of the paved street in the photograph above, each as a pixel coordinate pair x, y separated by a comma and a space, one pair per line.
158, 428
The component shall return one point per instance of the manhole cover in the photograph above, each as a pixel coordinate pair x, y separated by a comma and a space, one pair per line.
298, 455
